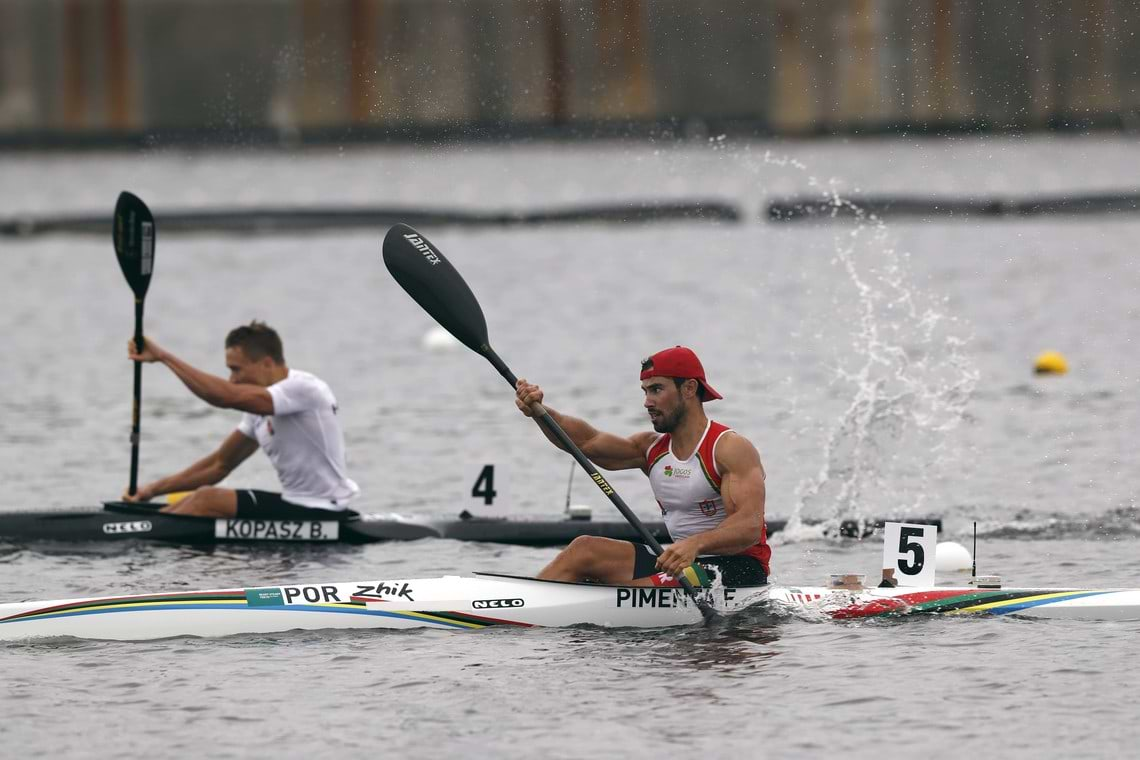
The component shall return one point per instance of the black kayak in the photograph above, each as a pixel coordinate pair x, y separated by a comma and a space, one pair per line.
120, 521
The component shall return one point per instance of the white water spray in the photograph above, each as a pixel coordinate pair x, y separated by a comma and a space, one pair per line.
909, 375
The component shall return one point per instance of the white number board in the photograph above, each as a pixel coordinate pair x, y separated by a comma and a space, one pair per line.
909, 550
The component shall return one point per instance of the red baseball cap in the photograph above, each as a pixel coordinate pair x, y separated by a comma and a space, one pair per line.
678, 362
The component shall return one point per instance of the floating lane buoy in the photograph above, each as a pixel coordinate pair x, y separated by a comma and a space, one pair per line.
1051, 363
951, 557
439, 339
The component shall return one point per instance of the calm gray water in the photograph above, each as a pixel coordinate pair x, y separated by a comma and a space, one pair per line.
878, 368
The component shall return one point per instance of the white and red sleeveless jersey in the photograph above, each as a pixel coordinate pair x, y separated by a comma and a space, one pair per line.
688, 490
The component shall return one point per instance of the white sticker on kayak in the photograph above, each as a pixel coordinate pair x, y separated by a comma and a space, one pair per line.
909, 551
277, 530
133, 526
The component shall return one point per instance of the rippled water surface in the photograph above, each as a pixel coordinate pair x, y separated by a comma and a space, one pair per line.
880, 369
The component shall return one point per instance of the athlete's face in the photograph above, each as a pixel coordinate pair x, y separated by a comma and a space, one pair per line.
665, 402
246, 371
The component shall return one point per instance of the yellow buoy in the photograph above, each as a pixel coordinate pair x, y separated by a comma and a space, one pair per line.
1051, 363
177, 496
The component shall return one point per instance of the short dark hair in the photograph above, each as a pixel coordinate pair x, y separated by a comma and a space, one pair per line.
258, 340
647, 365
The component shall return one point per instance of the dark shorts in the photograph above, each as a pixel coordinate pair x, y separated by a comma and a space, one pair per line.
733, 570
266, 505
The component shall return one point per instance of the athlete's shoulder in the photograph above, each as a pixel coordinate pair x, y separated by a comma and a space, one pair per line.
299, 378
717, 429
647, 441
300, 391
734, 448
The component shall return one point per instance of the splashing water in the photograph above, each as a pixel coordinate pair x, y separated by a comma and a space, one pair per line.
909, 374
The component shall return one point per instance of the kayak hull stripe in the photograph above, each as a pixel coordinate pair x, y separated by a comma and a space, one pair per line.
443, 618
1013, 605
957, 601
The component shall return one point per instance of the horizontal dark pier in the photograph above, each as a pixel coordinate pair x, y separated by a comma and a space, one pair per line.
271, 220
818, 209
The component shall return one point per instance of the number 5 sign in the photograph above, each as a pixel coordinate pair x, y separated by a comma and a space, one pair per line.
909, 550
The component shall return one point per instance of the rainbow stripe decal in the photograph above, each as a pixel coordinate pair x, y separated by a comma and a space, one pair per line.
246, 600
958, 601
201, 600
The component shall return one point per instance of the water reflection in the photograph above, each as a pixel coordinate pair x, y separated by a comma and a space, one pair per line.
56, 570
724, 645
231, 565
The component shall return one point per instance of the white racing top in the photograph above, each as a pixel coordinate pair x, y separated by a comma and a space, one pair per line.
688, 490
304, 441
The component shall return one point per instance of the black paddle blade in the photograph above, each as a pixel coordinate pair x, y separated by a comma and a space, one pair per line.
134, 236
430, 279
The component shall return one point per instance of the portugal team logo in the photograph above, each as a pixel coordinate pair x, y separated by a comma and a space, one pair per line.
708, 507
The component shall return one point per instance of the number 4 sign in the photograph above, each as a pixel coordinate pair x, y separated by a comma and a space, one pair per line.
483, 491
909, 550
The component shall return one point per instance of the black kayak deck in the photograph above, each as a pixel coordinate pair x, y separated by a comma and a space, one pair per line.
119, 521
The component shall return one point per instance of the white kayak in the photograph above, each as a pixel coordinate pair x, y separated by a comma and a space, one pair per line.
450, 602
484, 600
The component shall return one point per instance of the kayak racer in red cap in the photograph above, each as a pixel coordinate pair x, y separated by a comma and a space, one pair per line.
707, 479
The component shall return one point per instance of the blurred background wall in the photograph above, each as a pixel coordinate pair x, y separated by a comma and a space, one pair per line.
281, 70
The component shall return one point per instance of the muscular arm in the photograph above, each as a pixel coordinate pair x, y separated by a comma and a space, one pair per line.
606, 450
235, 449
742, 488
219, 392
214, 390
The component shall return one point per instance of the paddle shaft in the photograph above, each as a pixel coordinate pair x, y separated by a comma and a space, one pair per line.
550, 424
136, 414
